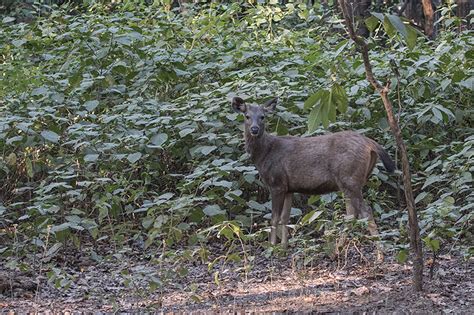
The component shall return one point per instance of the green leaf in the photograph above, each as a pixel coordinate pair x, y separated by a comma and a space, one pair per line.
398, 24
402, 256
205, 150
320, 111
468, 83
325, 114
227, 232
159, 139
50, 136
311, 216
411, 37
313, 99
42, 90
379, 16
434, 244
91, 157
340, 97
134, 157
389, 28
213, 210
147, 222
91, 105
431, 180
371, 23
8, 19
183, 133
314, 118
420, 196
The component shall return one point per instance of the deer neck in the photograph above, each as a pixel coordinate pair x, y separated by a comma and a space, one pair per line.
257, 147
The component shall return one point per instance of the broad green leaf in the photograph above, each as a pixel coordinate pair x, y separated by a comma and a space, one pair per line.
402, 256
411, 37
255, 205
389, 28
91, 105
159, 139
207, 149
431, 180
213, 210
8, 19
387, 25
134, 157
147, 222
183, 133
325, 114
468, 83
42, 90
420, 196
50, 136
313, 99
398, 24
311, 216
227, 232
61, 227
332, 111
91, 157
371, 22
434, 244
340, 97
379, 16
314, 118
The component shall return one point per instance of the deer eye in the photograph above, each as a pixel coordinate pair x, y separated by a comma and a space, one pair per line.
247, 116
261, 117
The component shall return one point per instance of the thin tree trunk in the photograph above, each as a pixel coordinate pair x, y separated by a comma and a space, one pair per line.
415, 241
428, 12
463, 9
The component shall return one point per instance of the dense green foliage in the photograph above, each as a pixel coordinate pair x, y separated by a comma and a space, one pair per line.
116, 126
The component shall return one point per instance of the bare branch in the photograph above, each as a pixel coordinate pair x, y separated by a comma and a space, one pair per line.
415, 241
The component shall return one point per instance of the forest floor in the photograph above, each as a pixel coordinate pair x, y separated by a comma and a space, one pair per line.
354, 285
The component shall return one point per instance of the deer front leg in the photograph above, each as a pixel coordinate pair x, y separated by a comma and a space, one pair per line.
285, 218
278, 199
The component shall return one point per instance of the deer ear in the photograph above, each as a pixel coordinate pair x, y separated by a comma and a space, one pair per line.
238, 104
270, 105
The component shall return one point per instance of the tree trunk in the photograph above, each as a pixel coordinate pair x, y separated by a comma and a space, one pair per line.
415, 241
463, 9
428, 12
422, 13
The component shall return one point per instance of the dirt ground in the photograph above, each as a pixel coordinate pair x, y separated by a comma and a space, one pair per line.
271, 285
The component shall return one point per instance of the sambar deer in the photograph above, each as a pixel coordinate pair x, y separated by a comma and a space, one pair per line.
341, 161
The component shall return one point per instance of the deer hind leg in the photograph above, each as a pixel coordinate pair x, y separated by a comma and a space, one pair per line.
285, 218
356, 206
352, 203
278, 199
372, 227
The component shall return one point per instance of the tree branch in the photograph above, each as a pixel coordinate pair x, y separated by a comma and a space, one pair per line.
415, 241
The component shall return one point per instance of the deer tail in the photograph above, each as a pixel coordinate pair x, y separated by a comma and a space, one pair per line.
387, 161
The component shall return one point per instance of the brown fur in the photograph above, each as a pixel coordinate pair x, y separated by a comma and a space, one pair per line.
341, 161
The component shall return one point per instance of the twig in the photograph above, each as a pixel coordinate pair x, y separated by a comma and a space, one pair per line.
433, 265
360, 253
41, 263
